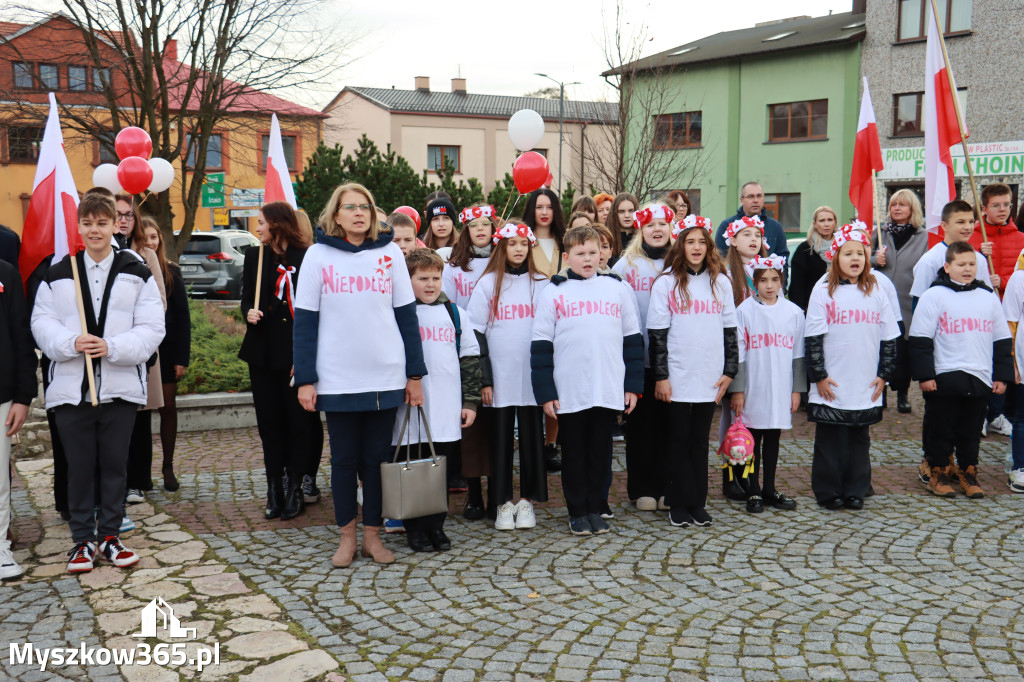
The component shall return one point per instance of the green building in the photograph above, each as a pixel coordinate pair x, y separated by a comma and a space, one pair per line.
777, 103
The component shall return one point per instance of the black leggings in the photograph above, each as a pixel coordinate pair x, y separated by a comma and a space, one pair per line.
766, 459
688, 427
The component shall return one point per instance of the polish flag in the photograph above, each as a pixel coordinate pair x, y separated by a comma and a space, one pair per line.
279, 183
51, 226
867, 157
940, 129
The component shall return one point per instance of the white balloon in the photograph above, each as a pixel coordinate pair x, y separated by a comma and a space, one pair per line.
525, 129
105, 175
163, 174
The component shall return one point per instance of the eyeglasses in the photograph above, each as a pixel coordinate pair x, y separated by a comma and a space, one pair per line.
752, 196
352, 207
129, 216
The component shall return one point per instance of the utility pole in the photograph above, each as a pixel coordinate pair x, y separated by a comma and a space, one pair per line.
561, 120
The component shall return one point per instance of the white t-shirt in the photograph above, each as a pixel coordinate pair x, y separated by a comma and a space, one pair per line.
696, 340
770, 338
640, 275
964, 325
458, 284
508, 333
587, 321
854, 326
1013, 297
356, 294
442, 386
931, 262
887, 287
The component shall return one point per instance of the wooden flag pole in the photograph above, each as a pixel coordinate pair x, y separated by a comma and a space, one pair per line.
89, 372
876, 222
259, 279
963, 139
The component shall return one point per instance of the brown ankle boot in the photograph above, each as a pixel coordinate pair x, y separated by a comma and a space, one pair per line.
374, 548
969, 482
347, 548
938, 483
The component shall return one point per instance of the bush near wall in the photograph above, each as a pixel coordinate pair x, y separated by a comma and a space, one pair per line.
216, 337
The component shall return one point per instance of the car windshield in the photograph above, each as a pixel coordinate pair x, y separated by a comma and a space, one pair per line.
202, 245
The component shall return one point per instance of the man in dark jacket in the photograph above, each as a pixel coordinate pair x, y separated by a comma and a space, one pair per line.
10, 245
751, 204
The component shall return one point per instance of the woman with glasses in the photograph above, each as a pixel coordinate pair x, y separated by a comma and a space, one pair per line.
357, 355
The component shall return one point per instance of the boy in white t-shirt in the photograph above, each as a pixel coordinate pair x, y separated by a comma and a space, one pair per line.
587, 364
957, 226
960, 351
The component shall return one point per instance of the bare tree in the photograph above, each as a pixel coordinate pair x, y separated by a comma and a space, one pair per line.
624, 156
230, 49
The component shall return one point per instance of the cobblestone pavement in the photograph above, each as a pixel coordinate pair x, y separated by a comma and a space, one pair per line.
911, 588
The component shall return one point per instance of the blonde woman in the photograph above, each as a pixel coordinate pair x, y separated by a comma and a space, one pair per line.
809, 260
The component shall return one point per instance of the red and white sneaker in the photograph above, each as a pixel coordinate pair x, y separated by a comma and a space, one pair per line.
81, 558
113, 551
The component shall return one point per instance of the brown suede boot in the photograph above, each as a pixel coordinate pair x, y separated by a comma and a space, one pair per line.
969, 482
347, 548
373, 548
938, 483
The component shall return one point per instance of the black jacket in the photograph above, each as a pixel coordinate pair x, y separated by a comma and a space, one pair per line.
268, 344
805, 270
176, 348
10, 245
17, 349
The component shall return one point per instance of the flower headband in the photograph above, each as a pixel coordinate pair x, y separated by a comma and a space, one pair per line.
656, 212
743, 223
856, 225
852, 234
690, 221
470, 214
771, 262
514, 230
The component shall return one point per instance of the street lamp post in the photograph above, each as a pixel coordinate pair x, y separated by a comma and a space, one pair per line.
561, 118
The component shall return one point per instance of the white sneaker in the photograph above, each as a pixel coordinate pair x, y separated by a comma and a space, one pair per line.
661, 504
126, 525
135, 496
359, 496
506, 517
984, 429
1017, 480
9, 568
525, 518
1001, 425
646, 504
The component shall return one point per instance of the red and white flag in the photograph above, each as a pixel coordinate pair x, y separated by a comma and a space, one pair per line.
940, 129
51, 226
279, 183
867, 157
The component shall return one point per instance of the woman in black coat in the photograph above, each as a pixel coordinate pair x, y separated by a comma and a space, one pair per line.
286, 430
808, 264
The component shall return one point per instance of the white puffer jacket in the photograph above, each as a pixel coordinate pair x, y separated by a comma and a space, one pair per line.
132, 324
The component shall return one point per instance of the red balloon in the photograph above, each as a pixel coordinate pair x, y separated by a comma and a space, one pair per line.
411, 212
134, 174
131, 142
530, 171
550, 181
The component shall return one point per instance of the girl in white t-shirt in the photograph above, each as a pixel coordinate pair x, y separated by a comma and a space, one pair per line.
440, 234
850, 348
641, 263
460, 275
691, 324
502, 310
771, 377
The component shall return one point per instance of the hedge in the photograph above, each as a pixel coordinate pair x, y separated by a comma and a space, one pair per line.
216, 337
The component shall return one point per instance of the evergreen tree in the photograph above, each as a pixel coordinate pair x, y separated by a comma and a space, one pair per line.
503, 196
322, 174
389, 176
567, 199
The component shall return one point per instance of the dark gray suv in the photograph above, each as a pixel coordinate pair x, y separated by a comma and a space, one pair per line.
211, 264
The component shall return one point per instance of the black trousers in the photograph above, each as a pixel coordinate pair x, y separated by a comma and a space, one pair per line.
140, 452
841, 466
533, 478
360, 441
688, 427
646, 444
286, 430
952, 423
60, 465
316, 443
901, 376
766, 460
585, 438
431, 522
100, 437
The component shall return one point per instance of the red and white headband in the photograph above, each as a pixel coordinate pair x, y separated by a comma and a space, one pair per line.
771, 262
515, 230
651, 213
691, 221
847, 235
470, 214
743, 223
856, 225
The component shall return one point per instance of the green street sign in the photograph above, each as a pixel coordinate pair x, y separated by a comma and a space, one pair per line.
213, 191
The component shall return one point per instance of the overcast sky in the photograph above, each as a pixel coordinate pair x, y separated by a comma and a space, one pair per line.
498, 46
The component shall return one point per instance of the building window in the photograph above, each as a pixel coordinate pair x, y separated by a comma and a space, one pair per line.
786, 209
108, 155
795, 121
288, 142
542, 152
214, 151
954, 15
908, 112
49, 76
450, 154
23, 75
678, 131
99, 77
23, 143
78, 78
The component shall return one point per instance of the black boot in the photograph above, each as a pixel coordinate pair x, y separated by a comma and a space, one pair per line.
474, 509
552, 461
275, 496
731, 488
294, 502
902, 402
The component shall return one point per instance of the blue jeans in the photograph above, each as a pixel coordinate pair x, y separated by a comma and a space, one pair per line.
360, 441
1017, 440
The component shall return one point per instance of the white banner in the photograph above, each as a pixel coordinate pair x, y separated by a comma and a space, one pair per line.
988, 158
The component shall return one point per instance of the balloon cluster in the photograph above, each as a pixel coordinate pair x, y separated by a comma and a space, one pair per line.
137, 172
530, 171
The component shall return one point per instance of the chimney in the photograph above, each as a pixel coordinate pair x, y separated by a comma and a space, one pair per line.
860, 6
423, 83
171, 49
459, 86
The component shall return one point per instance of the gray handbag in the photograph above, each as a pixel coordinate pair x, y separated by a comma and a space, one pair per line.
415, 487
